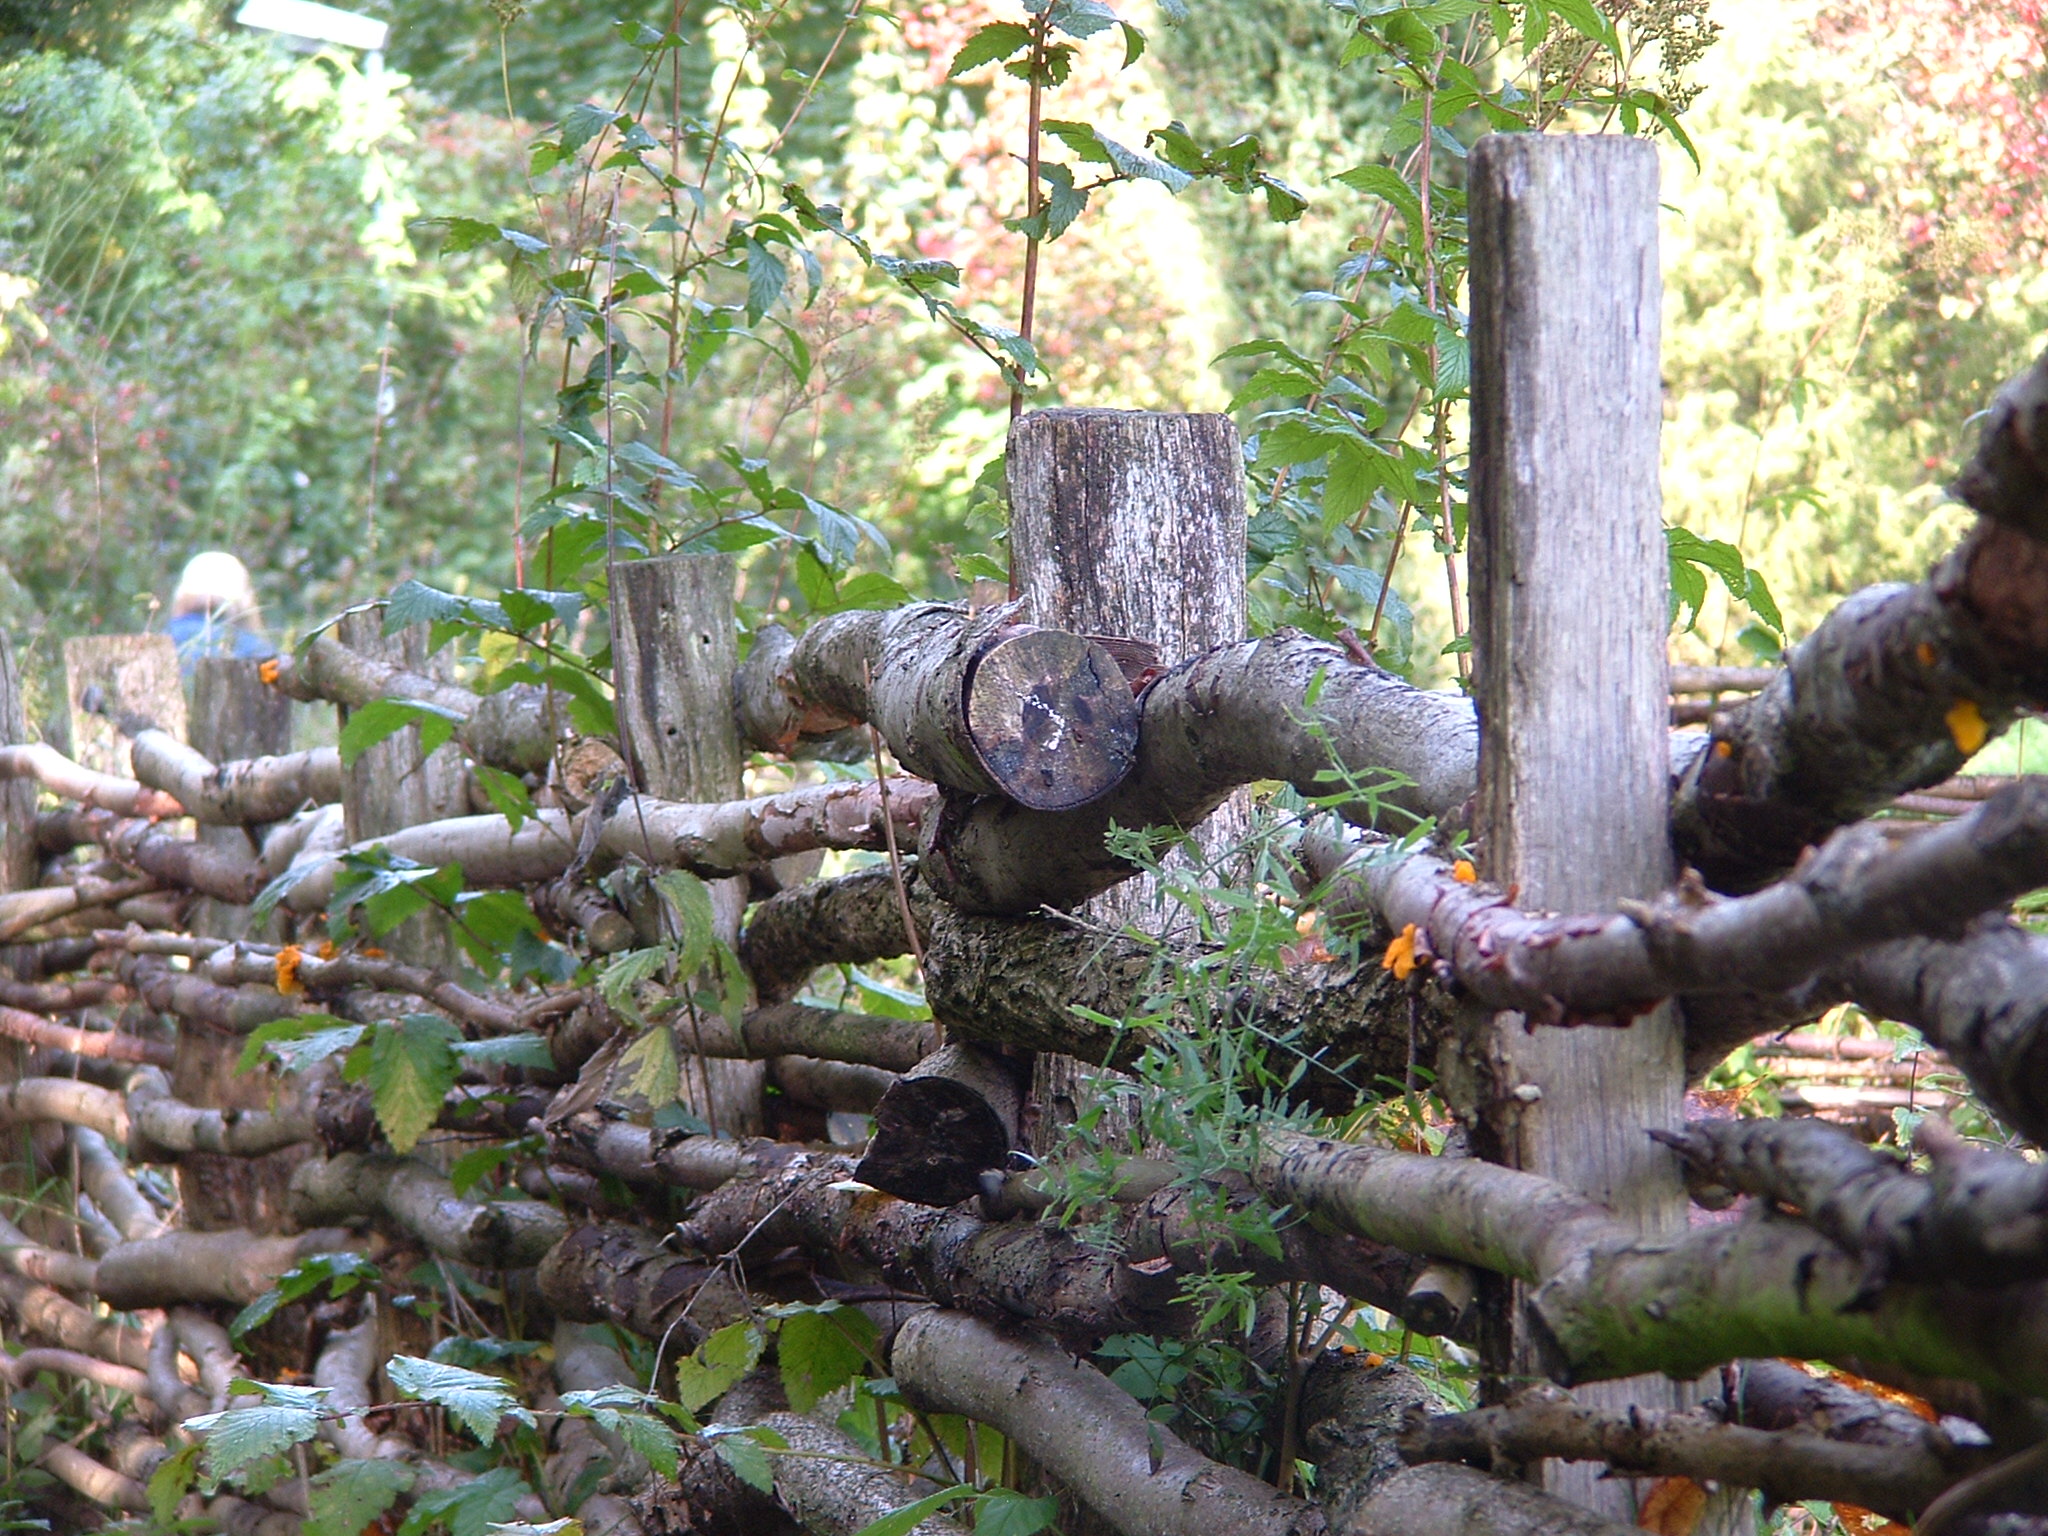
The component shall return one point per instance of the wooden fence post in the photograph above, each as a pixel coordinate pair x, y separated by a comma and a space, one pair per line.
674, 652
135, 673
1569, 625
234, 715
1128, 523
18, 864
392, 786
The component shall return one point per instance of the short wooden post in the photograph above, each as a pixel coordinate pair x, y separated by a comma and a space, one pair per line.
392, 785
234, 715
17, 796
674, 652
1127, 523
1569, 625
132, 674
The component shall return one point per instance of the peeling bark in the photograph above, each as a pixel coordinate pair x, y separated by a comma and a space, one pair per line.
1089, 1433
250, 790
774, 716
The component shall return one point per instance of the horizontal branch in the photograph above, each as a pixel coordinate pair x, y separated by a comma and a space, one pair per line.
202, 867
165, 1127
1977, 1220
98, 1044
851, 920
1859, 890
492, 1234
1068, 1417
184, 1267
236, 793
1544, 1421
508, 729
1286, 707
1611, 1306
43, 764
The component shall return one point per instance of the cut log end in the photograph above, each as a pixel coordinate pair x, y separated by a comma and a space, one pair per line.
1052, 719
940, 1127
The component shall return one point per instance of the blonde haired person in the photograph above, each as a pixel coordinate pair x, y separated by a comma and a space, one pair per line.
213, 611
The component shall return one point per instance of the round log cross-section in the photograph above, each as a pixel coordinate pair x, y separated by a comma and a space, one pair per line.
1052, 719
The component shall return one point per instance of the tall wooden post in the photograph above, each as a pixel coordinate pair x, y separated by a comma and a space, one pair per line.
674, 652
1127, 523
392, 785
1569, 626
233, 716
137, 674
17, 796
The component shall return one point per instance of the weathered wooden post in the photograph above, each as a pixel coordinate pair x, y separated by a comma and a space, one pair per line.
1127, 523
234, 715
17, 796
674, 652
393, 785
1569, 625
107, 675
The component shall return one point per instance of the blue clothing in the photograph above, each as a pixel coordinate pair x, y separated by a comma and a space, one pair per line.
197, 635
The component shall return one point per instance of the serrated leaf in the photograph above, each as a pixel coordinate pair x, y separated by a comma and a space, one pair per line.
476, 1401
473, 1167
748, 1459
717, 1363
997, 40
650, 1067
766, 277
238, 1436
820, 1351
298, 1029
383, 718
340, 1272
620, 1410
902, 1522
471, 1508
584, 122
696, 919
350, 1494
412, 1067
618, 981
508, 796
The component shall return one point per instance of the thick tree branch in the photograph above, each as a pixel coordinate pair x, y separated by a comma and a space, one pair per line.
1896, 687
141, 845
1857, 891
182, 1267
45, 765
238, 793
492, 1234
1090, 1434
1544, 1421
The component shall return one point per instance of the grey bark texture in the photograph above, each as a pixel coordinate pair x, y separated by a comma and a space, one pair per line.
393, 785
1568, 638
1132, 524
18, 862
120, 674
675, 650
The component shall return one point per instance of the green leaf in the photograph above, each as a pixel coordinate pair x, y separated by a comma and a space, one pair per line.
475, 1401
172, 1480
718, 1362
1005, 1512
871, 589
286, 1416
618, 983
696, 921
821, 1350
350, 1494
622, 1411
412, 1067
381, 718
471, 1508
997, 40
903, 1521
340, 1272
298, 1041
584, 122
507, 795
766, 277
1080, 18
522, 1050
473, 1167
650, 1067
